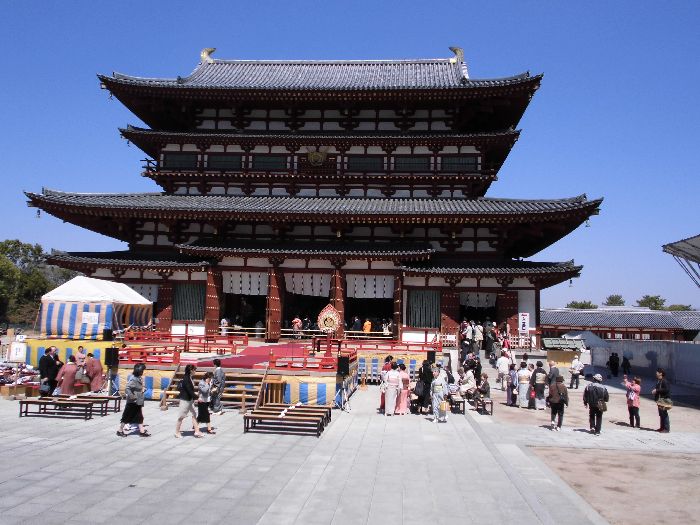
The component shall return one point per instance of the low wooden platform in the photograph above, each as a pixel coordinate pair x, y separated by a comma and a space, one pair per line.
56, 407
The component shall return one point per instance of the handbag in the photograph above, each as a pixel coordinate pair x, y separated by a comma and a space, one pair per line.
443, 406
532, 393
44, 388
382, 388
419, 389
602, 405
664, 403
81, 377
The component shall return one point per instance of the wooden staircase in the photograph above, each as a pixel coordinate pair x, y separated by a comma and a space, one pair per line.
241, 385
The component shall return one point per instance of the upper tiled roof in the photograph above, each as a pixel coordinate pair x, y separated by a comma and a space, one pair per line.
128, 259
362, 250
453, 209
512, 268
325, 75
617, 317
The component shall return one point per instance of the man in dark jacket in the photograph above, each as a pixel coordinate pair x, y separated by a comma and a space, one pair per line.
553, 373
595, 395
48, 368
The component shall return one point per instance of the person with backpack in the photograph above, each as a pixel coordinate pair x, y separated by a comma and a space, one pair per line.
558, 398
187, 400
133, 411
595, 397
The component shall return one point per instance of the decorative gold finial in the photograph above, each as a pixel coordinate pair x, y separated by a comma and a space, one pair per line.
206, 53
459, 54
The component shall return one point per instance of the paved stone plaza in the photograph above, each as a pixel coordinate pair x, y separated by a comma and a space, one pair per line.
365, 468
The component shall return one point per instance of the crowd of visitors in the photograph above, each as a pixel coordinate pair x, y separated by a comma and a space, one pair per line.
58, 378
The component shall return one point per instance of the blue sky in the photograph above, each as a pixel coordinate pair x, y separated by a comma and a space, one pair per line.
617, 114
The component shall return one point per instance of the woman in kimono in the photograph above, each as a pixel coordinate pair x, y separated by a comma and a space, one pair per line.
393, 386
402, 405
66, 377
523, 385
538, 379
438, 392
93, 369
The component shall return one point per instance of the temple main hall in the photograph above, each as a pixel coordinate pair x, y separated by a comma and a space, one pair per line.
289, 185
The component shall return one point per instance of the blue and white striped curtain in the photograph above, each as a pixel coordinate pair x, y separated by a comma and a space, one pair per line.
75, 320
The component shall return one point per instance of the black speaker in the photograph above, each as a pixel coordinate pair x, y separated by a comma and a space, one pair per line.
343, 365
107, 334
112, 356
431, 356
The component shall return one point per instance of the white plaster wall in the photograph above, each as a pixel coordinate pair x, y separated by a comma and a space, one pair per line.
526, 303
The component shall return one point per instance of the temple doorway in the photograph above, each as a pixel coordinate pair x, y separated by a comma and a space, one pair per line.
478, 306
246, 311
306, 307
378, 311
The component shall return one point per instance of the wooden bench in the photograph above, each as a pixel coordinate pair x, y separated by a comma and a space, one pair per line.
480, 405
115, 400
272, 418
458, 403
324, 410
56, 407
102, 402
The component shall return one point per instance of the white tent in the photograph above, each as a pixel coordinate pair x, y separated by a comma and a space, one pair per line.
83, 308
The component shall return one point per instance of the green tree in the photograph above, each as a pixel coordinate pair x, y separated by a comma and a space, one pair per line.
24, 278
654, 302
582, 305
679, 307
614, 300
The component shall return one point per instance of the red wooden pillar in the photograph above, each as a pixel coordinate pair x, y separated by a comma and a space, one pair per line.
398, 306
164, 314
338, 299
212, 302
273, 309
449, 311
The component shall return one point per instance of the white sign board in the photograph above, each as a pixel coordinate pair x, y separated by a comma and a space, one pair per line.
524, 322
90, 318
18, 352
20, 338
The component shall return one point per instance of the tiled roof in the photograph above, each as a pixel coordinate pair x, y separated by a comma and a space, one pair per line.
326, 75
511, 268
128, 259
689, 320
360, 250
135, 133
139, 204
623, 317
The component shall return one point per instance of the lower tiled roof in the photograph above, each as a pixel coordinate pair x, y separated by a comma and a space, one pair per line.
512, 268
128, 259
624, 317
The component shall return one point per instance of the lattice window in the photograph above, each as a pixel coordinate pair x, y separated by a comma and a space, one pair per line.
225, 162
411, 163
269, 162
179, 161
460, 163
188, 301
364, 163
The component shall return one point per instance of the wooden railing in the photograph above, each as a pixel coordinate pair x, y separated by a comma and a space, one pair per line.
190, 343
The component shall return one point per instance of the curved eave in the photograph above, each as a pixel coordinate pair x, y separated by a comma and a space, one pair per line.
315, 252
577, 209
171, 89
541, 277
151, 142
81, 261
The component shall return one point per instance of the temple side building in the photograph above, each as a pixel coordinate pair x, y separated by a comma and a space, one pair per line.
287, 185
